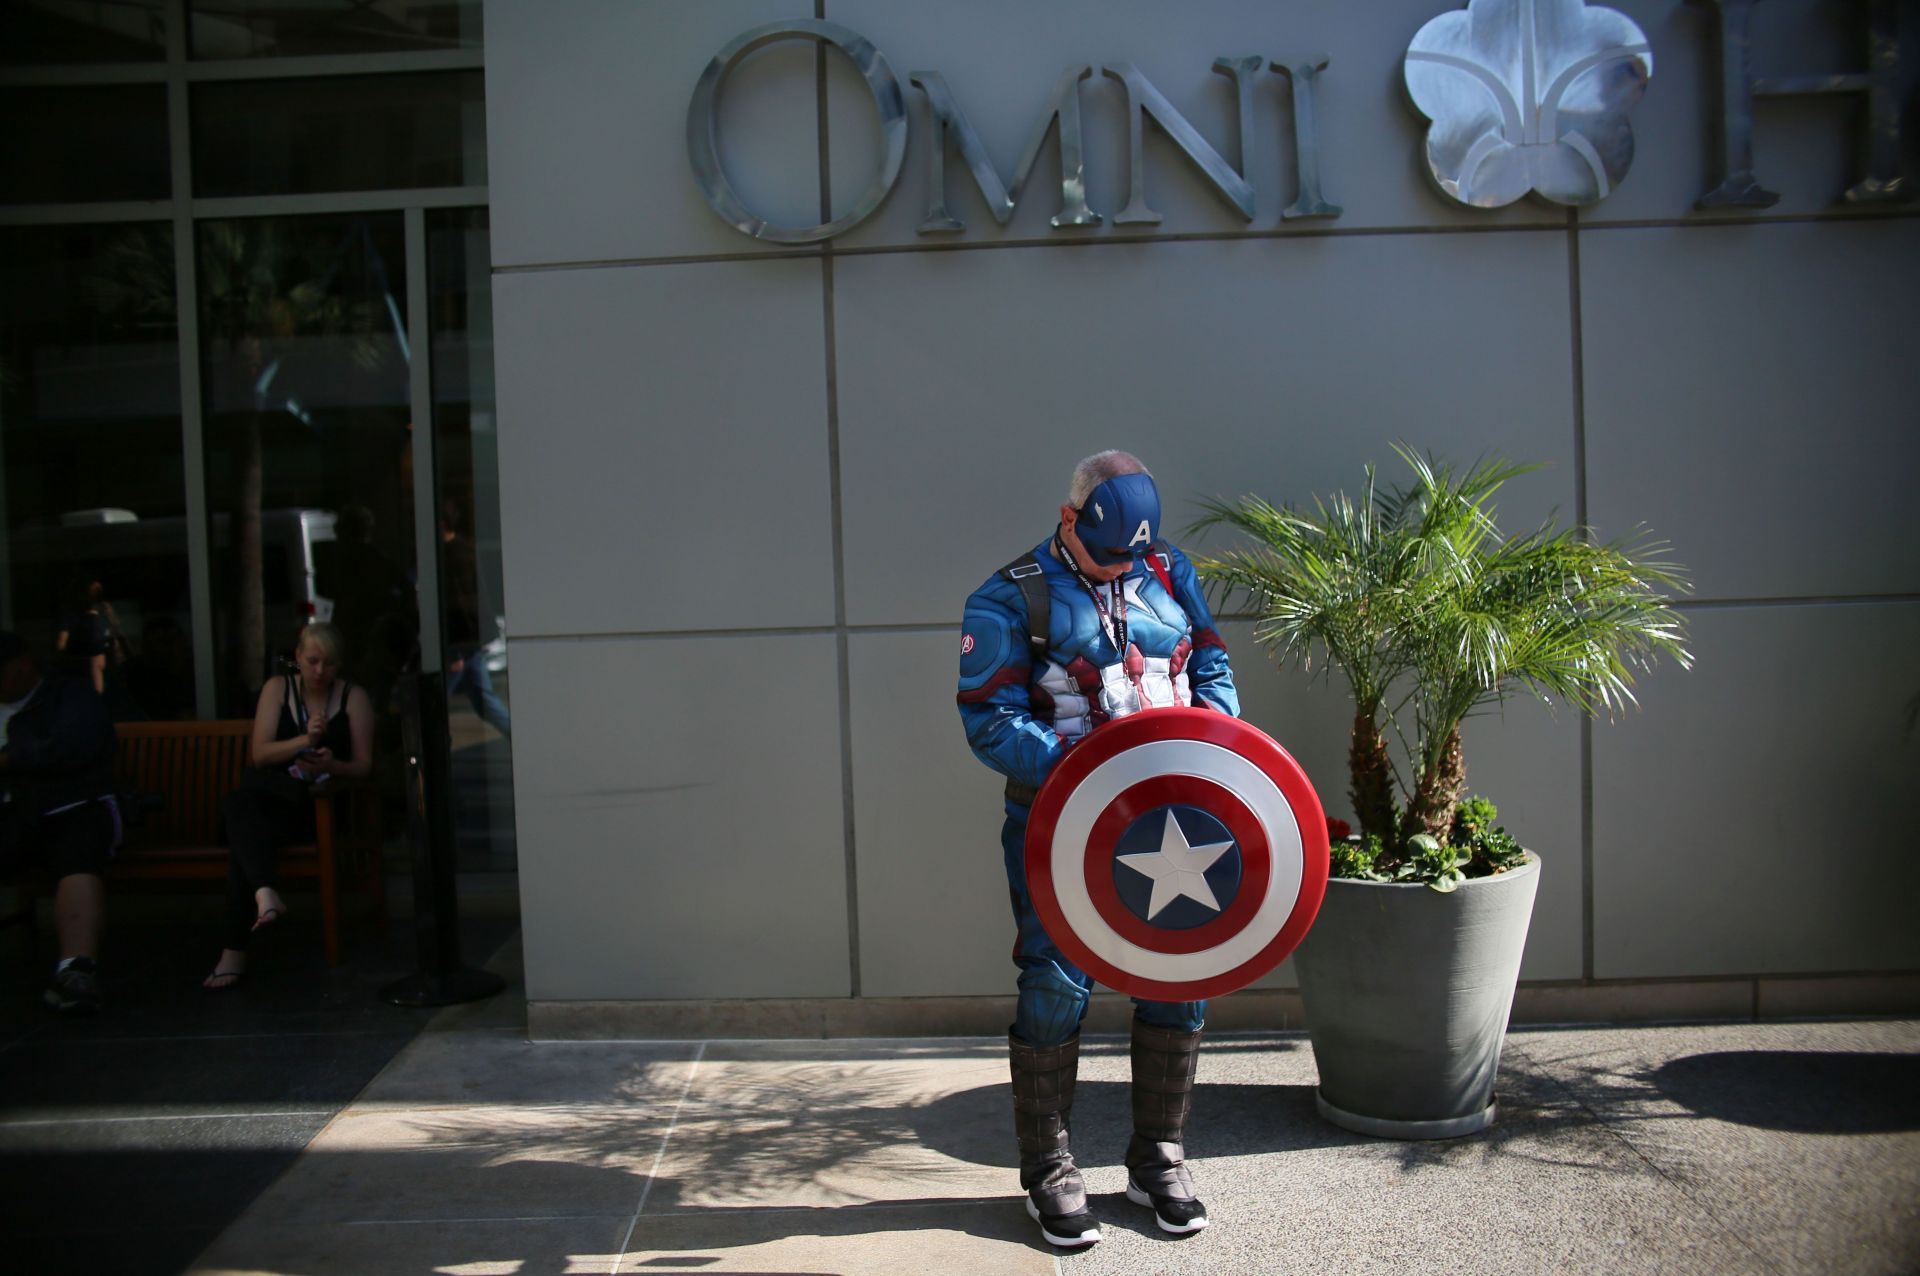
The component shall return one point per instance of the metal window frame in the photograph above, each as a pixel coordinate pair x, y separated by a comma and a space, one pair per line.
263, 68
178, 72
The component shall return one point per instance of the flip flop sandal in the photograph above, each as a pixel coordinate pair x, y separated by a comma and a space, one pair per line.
230, 979
269, 918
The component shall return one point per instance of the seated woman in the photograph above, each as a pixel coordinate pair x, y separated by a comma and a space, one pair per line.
307, 726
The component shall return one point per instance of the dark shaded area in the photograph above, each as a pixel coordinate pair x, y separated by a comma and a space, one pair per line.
1800, 1091
280, 137
705, 1234
123, 127
131, 1139
1229, 1120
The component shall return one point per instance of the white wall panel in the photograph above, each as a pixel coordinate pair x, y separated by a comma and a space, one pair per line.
586, 127
1527, 760
1756, 815
679, 815
970, 383
1750, 395
663, 448
934, 919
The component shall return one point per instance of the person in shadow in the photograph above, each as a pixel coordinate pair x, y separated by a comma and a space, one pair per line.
89, 637
160, 672
374, 607
309, 726
466, 656
57, 808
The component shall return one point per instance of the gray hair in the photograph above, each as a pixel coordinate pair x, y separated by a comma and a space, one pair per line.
1097, 469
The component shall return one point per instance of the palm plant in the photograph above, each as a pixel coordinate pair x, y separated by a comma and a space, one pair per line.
1432, 615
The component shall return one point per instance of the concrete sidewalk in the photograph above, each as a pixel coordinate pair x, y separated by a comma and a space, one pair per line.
1789, 1147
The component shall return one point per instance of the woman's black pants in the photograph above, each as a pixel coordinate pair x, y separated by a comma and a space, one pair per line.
268, 811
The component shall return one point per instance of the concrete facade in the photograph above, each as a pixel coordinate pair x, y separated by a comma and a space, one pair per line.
745, 487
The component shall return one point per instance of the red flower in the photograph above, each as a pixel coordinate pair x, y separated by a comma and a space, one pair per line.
1338, 830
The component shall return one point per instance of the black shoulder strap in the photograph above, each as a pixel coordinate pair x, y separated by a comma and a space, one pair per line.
1026, 572
296, 704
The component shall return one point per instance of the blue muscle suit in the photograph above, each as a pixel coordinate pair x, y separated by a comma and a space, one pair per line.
1022, 714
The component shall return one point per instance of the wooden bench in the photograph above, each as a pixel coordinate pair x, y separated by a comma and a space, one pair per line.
191, 767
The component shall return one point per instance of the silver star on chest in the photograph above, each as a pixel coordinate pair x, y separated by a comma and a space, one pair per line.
1177, 868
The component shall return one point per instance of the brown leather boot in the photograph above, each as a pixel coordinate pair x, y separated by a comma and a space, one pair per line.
1043, 1078
1164, 1061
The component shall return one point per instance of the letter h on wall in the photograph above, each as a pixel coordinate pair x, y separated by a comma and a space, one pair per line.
1883, 182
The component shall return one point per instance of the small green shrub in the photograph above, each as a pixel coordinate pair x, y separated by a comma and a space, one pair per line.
1355, 859
1472, 816
1477, 848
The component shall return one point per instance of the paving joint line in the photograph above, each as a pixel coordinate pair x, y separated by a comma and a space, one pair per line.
659, 1155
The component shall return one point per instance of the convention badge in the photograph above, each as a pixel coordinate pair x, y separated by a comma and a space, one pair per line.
1177, 854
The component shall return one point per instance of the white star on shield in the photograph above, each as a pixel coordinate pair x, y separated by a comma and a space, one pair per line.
1177, 868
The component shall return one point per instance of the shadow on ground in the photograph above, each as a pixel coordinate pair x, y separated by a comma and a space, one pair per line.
131, 1138
1800, 1091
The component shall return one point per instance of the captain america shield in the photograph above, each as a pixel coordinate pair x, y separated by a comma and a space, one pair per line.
1177, 854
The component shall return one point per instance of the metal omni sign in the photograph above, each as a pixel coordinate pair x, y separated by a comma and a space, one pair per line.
703, 146
1528, 95
1525, 97
1062, 112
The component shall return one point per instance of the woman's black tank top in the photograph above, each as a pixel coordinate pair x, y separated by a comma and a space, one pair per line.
293, 718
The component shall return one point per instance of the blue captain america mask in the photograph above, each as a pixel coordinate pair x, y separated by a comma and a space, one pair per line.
1121, 519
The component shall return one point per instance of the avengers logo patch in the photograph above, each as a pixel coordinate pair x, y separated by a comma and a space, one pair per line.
966, 644
1177, 854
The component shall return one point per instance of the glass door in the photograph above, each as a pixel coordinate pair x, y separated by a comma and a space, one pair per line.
328, 340
305, 382
473, 617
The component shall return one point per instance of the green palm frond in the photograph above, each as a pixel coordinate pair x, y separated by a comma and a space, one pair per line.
1323, 580
1416, 586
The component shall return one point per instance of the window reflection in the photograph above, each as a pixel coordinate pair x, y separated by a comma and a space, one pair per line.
274, 137
121, 128
474, 616
41, 32
233, 29
93, 485
306, 390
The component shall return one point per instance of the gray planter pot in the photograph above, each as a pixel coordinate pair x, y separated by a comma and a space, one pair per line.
1407, 993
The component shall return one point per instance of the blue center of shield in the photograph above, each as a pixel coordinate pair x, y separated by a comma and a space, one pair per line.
1176, 867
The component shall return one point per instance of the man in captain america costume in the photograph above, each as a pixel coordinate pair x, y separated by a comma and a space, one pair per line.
1101, 620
